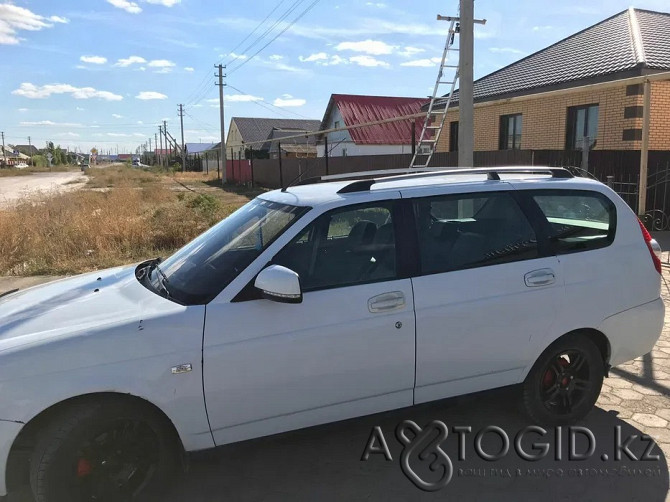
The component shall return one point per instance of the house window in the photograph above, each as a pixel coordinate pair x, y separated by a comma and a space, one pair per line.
510, 132
582, 121
337, 124
344, 152
453, 136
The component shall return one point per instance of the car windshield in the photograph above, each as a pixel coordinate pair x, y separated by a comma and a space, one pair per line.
200, 270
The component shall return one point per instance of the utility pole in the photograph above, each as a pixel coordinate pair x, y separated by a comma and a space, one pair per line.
4, 153
30, 151
223, 138
183, 149
466, 128
167, 158
160, 135
156, 148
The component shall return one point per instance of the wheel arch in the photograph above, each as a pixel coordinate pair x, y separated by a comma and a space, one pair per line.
597, 337
17, 469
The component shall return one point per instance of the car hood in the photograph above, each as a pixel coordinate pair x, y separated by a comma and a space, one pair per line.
69, 306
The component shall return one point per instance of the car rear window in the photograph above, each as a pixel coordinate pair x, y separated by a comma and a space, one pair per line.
578, 220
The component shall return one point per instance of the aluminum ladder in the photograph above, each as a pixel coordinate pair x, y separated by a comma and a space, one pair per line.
438, 106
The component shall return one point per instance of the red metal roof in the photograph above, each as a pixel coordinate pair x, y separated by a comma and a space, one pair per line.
361, 109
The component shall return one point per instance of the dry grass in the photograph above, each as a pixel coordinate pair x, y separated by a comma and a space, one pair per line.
139, 216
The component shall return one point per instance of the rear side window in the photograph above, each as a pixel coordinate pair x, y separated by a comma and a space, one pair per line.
578, 220
472, 230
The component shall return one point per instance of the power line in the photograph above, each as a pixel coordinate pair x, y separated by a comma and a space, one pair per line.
300, 16
252, 32
271, 104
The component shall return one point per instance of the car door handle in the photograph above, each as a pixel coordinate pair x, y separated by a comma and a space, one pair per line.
542, 277
386, 302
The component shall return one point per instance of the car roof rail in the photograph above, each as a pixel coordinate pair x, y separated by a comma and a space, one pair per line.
492, 173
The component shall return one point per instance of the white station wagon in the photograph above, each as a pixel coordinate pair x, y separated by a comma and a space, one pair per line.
319, 303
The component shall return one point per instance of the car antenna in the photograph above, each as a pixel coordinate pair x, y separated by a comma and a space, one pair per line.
297, 178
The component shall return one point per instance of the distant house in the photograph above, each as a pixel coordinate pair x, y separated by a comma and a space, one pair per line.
590, 84
197, 148
245, 130
390, 138
27, 149
12, 156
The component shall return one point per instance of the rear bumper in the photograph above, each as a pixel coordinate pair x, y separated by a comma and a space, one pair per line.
633, 332
8, 433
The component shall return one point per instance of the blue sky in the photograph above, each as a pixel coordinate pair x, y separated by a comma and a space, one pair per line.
105, 73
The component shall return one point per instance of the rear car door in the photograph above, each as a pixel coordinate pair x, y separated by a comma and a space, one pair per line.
485, 289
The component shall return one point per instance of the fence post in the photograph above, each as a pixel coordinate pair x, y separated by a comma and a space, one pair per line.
206, 163
251, 164
586, 145
610, 181
218, 166
325, 144
281, 174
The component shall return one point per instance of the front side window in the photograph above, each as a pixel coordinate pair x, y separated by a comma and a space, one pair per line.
472, 230
510, 132
200, 270
344, 247
578, 220
582, 121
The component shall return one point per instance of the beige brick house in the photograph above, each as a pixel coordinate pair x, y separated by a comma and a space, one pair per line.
590, 84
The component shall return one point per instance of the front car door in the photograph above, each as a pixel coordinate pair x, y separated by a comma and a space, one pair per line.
346, 350
484, 291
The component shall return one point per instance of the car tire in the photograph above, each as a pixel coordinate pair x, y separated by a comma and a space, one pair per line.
564, 383
111, 450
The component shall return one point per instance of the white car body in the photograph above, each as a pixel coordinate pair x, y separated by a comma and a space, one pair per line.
21, 165
263, 367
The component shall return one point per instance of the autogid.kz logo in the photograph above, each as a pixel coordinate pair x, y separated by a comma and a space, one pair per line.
427, 465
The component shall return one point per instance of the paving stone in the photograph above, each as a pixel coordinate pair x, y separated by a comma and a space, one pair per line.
605, 399
649, 420
627, 394
663, 413
649, 391
638, 406
619, 383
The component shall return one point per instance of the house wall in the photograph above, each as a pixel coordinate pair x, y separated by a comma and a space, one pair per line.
234, 138
544, 119
340, 141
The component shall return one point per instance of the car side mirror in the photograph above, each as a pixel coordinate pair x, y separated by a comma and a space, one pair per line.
279, 284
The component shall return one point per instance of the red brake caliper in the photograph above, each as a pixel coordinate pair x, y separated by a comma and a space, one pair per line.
84, 468
549, 377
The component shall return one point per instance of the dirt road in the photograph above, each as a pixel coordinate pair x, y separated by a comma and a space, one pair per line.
15, 188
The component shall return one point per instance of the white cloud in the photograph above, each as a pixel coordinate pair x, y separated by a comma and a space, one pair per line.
238, 98
130, 7
144, 95
118, 135
23, 110
131, 60
379, 5
67, 135
288, 101
320, 56
161, 63
368, 61
80, 109
140, 122
166, 3
411, 51
189, 68
14, 18
373, 47
50, 123
93, 59
543, 28
276, 57
335, 60
32, 91
424, 63
237, 56
117, 116
138, 134
510, 50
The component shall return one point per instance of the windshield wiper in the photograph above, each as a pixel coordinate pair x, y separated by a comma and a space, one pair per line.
162, 278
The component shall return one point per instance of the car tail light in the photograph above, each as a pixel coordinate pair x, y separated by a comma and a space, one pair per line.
653, 246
